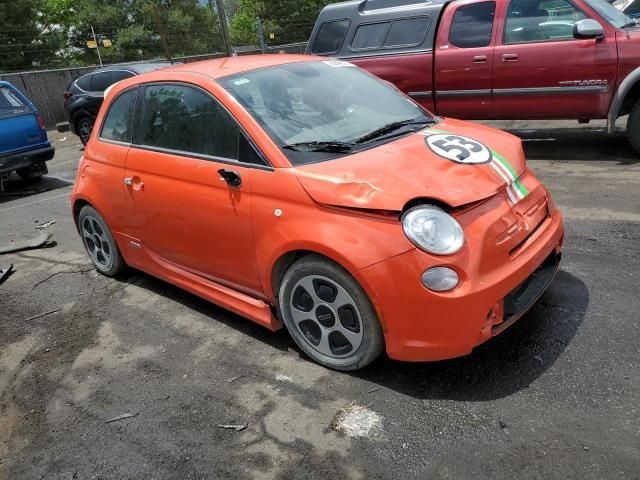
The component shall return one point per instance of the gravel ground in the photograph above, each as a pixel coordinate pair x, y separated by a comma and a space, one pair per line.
556, 396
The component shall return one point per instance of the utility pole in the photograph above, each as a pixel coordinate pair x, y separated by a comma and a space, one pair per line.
223, 25
261, 35
163, 35
97, 45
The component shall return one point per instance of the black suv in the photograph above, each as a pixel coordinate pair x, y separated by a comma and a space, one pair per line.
85, 94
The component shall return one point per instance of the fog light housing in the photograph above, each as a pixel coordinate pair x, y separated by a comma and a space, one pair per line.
440, 279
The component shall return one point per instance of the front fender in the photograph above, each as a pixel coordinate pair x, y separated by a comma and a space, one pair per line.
619, 96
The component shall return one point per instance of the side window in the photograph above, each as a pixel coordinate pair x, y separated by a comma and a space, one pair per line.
185, 119
121, 75
407, 32
101, 81
472, 25
371, 35
540, 21
633, 9
84, 83
330, 37
118, 124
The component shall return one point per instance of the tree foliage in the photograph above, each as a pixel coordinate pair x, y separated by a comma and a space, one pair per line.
285, 20
55, 32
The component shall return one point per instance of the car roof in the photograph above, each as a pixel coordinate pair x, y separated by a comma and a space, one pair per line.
222, 67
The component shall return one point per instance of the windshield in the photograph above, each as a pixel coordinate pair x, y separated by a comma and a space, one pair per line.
611, 14
320, 110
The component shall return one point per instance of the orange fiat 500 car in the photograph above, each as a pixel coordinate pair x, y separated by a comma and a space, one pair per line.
305, 192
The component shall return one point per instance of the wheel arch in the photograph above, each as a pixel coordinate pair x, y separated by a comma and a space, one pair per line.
626, 95
287, 259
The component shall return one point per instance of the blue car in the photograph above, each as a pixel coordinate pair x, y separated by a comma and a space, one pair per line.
24, 146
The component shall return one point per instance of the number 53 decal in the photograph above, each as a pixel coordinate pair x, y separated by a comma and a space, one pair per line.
459, 149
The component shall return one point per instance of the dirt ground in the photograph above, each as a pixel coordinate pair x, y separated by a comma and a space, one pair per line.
556, 396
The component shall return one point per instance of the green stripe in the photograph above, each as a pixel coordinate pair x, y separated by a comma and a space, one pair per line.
513, 173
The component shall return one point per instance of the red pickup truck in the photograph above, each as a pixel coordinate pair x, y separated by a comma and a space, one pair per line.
495, 59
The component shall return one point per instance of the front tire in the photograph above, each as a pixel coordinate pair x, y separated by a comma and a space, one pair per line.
99, 243
329, 315
633, 127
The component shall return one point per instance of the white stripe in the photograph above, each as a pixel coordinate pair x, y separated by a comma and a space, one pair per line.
37, 201
509, 192
511, 180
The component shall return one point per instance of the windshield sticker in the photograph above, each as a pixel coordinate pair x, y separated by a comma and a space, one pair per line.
241, 81
338, 63
465, 150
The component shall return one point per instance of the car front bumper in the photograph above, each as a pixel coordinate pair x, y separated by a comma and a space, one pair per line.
26, 159
423, 325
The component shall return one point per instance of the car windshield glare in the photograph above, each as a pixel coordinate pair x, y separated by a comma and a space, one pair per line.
611, 14
324, 102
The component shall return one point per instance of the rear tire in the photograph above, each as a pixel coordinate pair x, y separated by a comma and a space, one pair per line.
99, 243
84, 126
633, 127
329, 315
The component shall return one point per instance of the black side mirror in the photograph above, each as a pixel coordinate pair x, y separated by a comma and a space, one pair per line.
588, 28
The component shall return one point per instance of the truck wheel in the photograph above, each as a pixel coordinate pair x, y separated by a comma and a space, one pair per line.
633, 127
33, 173
84, 127
329, 315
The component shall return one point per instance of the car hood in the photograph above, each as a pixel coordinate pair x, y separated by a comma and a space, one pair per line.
390, 175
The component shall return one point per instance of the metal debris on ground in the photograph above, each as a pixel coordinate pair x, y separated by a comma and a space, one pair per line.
237, 428
42, 314
233, 379
121, 417
42, 226
5, 272
43, 239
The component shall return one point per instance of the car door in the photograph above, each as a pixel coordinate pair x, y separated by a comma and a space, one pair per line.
188, 177
463, 59
541, 70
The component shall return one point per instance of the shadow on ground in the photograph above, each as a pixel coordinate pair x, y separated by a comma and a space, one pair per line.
500, 367
16, 188
577, 144
503, 365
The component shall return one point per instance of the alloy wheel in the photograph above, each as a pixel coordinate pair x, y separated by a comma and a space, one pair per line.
96, 242
326, 316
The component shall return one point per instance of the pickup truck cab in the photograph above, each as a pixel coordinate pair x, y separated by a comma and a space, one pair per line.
495, 59
24, 146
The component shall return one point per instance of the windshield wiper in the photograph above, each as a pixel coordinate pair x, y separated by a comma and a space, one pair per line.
316, 146
630, 24
390, 127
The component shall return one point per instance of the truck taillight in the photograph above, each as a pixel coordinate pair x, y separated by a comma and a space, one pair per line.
40, 121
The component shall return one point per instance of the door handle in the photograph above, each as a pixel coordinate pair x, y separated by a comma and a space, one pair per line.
232, 178
510, 57
480, 59
130, 182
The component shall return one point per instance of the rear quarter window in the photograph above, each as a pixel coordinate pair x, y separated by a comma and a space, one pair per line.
10, 104
118, 123
84, 83
330, 37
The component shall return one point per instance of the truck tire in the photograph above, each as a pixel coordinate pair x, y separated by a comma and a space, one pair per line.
633, 127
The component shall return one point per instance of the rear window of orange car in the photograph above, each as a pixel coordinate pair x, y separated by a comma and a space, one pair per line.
118, 123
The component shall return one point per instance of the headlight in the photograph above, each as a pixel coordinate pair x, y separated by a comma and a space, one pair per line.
433, 230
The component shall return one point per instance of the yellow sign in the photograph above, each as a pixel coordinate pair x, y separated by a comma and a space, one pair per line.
106, 43
272, 35
92, 44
